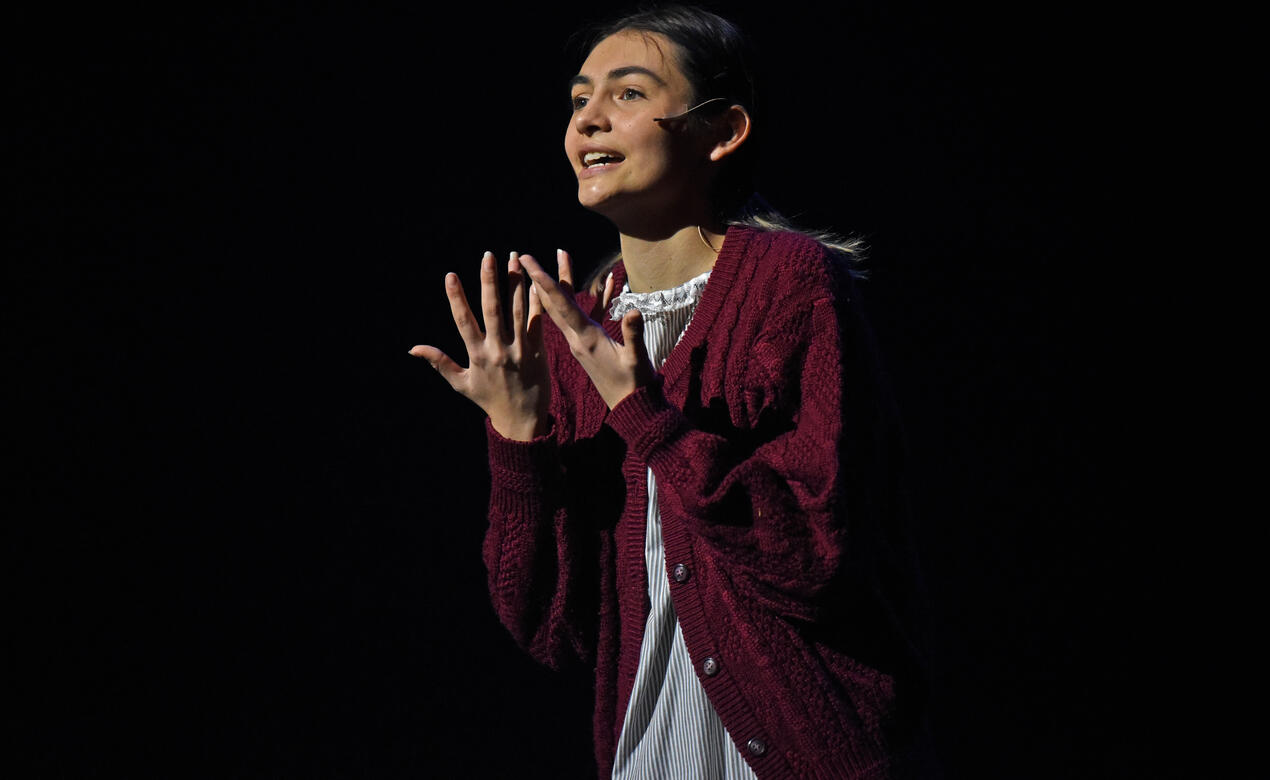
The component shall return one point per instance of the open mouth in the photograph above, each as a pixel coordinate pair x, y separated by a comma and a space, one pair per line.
593, 159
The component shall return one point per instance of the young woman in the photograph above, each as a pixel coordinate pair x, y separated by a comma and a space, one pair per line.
694, 466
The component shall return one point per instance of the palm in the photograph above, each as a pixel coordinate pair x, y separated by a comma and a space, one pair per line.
507, 368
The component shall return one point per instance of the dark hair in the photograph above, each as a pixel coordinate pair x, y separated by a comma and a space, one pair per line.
718, 61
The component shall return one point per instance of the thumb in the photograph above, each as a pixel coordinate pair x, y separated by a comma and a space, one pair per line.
449, 370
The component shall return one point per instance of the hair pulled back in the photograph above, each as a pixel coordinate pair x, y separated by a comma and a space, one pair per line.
718, 61
716, 58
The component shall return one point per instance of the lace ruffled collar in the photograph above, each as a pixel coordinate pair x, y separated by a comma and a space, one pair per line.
658, 302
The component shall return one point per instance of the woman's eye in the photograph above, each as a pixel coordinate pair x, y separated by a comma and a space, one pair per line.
578, 102
630, 93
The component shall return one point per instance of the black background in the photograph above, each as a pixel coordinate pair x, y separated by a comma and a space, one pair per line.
249, 523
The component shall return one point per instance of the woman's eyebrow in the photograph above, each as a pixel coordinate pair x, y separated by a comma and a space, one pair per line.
618, 73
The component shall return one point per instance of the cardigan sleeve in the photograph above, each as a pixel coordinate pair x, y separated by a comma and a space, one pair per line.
536, 572
544, 545
765, 500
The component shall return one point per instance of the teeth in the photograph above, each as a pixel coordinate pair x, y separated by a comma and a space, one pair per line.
594, 158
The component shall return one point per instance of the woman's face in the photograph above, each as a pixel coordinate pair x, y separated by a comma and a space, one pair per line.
628, 166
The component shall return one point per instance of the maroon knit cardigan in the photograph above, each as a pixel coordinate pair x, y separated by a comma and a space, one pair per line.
769, 436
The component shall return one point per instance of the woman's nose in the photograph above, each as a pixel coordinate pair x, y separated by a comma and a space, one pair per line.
591, 118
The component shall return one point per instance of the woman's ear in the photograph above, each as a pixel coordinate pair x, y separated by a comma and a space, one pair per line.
735, 128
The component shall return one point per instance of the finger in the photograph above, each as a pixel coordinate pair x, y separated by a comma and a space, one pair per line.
464, 320
449, 370
607, 297
564, 269
535, 274
516, 281
491, 301
556, 301
633, 336
533, 325
535, 303
543, 285
600, 305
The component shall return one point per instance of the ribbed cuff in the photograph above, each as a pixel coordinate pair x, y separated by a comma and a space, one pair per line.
645, 419
522, 466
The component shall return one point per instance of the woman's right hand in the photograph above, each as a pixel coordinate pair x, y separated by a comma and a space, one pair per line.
507, 367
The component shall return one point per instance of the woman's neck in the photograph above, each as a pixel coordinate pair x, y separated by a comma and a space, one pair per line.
669, 261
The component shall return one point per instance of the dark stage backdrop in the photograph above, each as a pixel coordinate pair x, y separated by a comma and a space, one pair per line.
249, 524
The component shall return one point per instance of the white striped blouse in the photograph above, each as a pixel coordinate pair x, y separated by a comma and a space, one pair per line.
671, 730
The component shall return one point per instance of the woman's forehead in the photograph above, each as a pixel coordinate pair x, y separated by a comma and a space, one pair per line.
632, 51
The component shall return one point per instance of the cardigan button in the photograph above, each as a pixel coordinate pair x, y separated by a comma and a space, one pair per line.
680, 573
710, 666
756, 746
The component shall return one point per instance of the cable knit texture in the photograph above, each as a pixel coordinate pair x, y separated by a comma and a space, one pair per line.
776, 456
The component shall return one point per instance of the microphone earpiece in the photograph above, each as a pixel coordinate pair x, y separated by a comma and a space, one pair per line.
689, 111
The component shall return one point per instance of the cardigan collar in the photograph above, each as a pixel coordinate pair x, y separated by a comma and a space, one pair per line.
736, 243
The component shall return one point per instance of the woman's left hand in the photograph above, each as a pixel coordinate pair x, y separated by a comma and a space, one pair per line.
616, 369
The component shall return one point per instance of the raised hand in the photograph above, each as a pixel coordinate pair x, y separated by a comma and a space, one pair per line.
507, 368
616, 369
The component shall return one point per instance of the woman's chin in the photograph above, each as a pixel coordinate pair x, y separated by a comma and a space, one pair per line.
605, 204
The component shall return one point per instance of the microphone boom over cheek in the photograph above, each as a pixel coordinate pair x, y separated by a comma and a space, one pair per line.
689, 111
